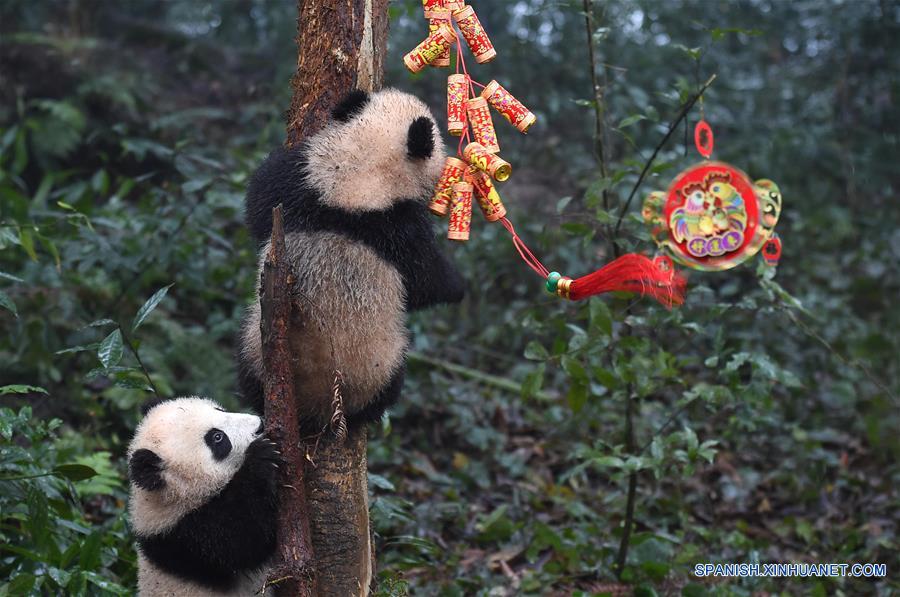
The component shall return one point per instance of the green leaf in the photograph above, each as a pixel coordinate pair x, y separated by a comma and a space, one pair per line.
380, 482
21, 389
110, 351
26, 239
577, 396
148, 307
600, 317
10, 277
634, 118
535, 351
8, 304
79, 348
74, 472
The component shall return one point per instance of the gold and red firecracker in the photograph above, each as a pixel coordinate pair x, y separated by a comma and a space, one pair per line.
481, 158
457, 92
512, 109
474, 34
430, 49
452, 173
437, 18
482, 125
460, 212
486, 194
430, 5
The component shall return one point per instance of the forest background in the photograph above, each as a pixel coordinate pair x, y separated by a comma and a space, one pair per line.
759, 422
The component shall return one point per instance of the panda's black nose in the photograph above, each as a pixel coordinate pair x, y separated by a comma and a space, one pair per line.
420, 139
262, 426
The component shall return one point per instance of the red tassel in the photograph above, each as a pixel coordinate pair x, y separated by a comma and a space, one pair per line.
630, 273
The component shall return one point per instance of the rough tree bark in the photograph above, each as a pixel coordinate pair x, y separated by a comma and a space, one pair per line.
341, 46
293, 573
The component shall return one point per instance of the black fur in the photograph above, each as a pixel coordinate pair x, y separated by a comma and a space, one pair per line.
232, 534
218, 443
420, 139
386, 398
402, 234
145, 470
249, 386
352, 104
151, 404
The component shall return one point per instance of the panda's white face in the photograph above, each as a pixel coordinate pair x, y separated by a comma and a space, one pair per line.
195, 447
366, 163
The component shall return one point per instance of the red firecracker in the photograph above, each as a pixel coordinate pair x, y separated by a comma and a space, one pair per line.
512, 109
486, 194
460, 212
482, 125
474, 34
457, 91
438, 18
443, 193
481, 158
430, 49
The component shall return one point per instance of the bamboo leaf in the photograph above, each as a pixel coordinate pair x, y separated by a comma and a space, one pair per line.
110, 351
148, 307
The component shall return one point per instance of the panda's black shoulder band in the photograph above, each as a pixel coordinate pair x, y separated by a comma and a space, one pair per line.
352, 104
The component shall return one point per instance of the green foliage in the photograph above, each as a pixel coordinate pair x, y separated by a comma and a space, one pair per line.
762, 415
64, 528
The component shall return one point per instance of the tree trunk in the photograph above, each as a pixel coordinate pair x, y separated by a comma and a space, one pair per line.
292, 574
341, 46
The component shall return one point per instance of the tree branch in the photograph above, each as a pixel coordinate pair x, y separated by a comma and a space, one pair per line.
294, 568
682, 113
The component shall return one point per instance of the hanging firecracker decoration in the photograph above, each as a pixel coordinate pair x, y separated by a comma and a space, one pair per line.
439, 18
443, 193
429, 49
457, 92
460, 211
512, 109
474, 34
713, 217
471, 175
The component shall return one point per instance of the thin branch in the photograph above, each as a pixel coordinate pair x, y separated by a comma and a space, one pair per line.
137, 357
682, 113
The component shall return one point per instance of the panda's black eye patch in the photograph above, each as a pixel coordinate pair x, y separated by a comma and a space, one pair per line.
218, 443
420, 139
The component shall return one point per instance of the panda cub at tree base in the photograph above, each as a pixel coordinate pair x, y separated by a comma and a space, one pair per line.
203, 500
361, 244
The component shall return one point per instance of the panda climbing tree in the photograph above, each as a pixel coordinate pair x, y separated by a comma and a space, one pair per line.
323, 536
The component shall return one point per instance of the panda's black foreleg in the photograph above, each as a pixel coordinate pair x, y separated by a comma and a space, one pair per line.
437, 283
383, 400
250, 387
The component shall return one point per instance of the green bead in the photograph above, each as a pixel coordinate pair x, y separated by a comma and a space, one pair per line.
552, 281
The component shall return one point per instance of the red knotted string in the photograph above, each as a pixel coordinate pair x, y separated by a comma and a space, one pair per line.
629, 273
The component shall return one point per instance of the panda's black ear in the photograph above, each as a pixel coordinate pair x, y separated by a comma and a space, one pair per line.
150, 405
352, 104
145, 470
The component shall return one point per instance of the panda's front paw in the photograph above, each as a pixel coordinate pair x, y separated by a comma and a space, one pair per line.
264, 452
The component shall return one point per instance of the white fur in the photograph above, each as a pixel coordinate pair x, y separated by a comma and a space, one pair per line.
355, 303
153, 582
362, 164
174, 430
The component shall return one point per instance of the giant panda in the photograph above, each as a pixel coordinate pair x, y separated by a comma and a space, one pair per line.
362, 247
203, 500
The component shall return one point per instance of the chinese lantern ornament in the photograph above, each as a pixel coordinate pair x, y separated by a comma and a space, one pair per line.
713, 217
